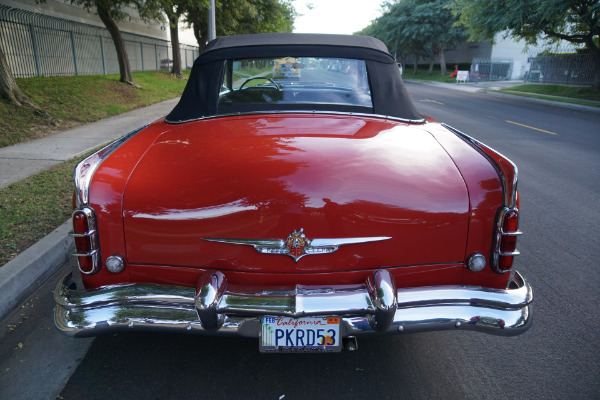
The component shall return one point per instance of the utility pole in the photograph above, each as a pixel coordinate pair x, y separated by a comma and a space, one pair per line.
212, 28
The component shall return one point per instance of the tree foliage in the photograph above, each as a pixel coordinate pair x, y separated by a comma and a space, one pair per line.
234, 17
417, 27
576, 21
112, 11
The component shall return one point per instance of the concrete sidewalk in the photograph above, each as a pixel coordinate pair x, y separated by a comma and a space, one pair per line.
20, 277
471, 87
22, 160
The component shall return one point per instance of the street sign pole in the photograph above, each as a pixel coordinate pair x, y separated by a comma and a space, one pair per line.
212, 29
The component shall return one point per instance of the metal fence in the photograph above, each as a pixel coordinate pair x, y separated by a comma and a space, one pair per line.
572, 67
39, 45
490, 69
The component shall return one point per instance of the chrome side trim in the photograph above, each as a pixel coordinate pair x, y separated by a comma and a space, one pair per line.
84, 171
510, 199
315, 112
89, 253
374, 307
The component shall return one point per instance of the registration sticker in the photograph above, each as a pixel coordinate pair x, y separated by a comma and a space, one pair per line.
300, 335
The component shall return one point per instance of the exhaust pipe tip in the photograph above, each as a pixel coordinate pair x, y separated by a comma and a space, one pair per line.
350, 343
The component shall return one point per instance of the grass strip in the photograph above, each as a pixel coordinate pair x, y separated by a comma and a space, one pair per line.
552, 98
32, 208
575, 92
423, 75
76, 100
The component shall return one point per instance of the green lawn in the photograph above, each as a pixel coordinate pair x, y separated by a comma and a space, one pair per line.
34, 207
423, 75
75, 100
575, 92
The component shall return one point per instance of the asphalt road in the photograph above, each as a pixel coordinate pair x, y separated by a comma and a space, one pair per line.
558, 154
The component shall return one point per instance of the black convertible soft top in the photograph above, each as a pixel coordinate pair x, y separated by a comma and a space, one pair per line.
200, 97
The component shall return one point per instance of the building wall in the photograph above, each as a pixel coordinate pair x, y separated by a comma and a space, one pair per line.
513, 49
66, 10
466, 52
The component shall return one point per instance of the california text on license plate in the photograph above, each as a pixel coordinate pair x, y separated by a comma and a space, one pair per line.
300, 335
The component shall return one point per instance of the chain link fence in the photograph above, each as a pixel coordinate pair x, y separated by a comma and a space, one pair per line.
566, 66
39, 45
490, 69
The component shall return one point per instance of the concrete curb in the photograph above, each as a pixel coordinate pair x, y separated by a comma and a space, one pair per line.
23, 275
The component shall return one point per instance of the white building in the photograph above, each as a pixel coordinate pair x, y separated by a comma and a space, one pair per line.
504, 50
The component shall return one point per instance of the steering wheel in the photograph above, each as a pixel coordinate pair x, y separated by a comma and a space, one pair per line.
259, 77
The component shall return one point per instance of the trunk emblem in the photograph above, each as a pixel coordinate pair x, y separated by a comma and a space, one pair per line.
296, 242
297, 245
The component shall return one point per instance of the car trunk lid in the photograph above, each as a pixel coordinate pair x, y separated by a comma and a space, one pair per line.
266, 177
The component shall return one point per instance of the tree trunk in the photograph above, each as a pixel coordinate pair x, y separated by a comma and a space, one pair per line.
595, 51
174, 26
201, 37
10, 90
417, 55
433, 54
115, 33
8, 86
442, 59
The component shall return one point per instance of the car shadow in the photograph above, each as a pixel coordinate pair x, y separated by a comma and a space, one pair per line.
166, 366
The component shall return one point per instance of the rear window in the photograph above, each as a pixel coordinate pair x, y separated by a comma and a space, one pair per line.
290, 80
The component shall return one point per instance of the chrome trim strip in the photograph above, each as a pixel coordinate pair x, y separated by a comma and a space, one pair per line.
84, 171
349, 114
304, 246
510, 253
89, 253
510, 199
249, 242
87, 234
84, 313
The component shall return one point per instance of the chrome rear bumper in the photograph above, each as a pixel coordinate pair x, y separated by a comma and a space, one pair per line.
373, 307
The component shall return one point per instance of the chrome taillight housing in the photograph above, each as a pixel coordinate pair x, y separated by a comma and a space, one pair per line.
505, 240
86, 240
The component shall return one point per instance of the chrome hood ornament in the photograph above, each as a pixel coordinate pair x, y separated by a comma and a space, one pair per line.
297, 245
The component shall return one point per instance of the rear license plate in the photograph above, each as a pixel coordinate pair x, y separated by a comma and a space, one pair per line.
300, 335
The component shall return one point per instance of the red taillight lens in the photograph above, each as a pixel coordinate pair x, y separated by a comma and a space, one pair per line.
80, 222
84, 234
506, 239
511, 222
82, 244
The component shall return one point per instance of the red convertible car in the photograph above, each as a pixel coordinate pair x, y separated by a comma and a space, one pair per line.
303, 212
